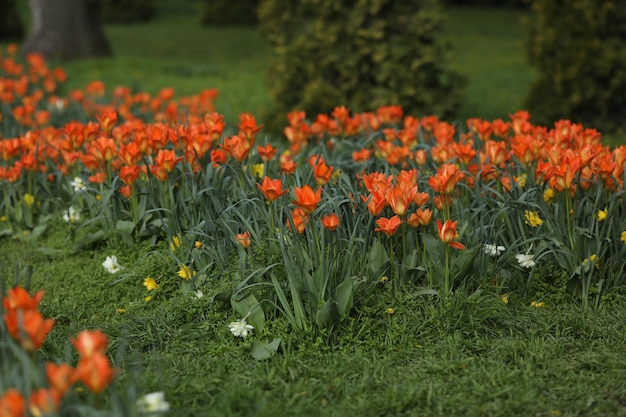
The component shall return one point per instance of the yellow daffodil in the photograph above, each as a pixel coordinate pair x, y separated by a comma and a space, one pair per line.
150, 284
148, 298
593, 259
532, 218
185, 272
521, 180
603, 214
623, 237
548, 195
175, 243
29, 199
504, 298
198, 244
258, 170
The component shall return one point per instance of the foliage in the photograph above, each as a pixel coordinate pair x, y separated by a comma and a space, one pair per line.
227, 13
11, 27
489, 3
359, 54
127, 11
578, 48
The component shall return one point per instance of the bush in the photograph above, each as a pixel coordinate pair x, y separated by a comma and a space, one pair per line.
11, 27
489, 3
127, 11
579, 49
362, 54
228, 12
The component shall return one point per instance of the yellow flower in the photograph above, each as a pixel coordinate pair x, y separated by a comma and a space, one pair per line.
185, 273
593, 259
150, 284
121, 310
258, 170
3, 219
623, 237
29, 199
521, 180
390, 310
504, 298
175, 243
603, 214
537, 304
548, 195
532, 218
148, 298
335, 176
386, 278
98, 197
198, 244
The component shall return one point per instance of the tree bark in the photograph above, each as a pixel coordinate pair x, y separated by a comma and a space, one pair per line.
66, 29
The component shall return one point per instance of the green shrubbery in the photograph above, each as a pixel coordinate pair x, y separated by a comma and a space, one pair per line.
579, 49
11, 27
225, 12
126, 11
361, 54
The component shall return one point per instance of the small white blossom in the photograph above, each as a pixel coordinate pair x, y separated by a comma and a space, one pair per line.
111, 265
525, 260
240, 328
493, 250
153, 403
78, 184
71, 215
198, 293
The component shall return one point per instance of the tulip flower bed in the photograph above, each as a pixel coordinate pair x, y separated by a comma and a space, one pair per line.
303, 232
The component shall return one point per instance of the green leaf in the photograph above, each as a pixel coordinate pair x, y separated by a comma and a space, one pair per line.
51, 252
464, 260
263, 350
327, 314
88, 240
125, 229
250, 307
345, 296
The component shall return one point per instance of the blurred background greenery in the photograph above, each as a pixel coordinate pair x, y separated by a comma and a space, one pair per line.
192, 45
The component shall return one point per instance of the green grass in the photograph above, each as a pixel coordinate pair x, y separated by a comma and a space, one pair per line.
475, 357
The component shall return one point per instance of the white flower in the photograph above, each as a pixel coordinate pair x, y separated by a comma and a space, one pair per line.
71, 215
111, 265
153, 402
240, 328
525, 260
493, 250
78, 184
198, 293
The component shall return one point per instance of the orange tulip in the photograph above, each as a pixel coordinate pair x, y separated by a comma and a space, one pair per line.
445, 179
330, 222
388, 226
272, 189
43, 402
89, 343
60, 377
447, 234
307, 199
267, 152
28, 327
12, 404
95, 372
18, 298
300, 219
322, 173
376, 202
243, 239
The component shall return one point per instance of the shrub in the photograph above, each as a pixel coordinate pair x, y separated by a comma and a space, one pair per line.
11, 27
579, 49
127, 11
489, 3
225, 12
362, 54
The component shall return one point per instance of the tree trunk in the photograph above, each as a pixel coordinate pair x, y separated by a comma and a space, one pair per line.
66, 29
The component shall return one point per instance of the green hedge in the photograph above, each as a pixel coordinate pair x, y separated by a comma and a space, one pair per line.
11, 27
579, 48
230, 12
127, 11
358, 53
